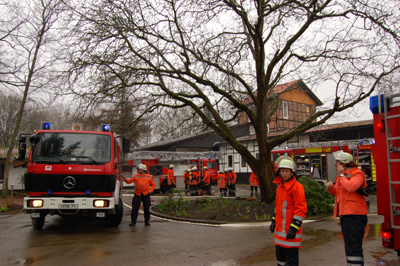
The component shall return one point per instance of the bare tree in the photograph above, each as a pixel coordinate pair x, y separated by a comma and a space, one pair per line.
29, 31
203, 54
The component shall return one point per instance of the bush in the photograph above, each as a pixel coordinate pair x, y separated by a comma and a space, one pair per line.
319, 200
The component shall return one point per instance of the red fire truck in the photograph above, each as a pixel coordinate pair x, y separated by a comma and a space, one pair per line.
74, 172
316, 159
157, 163
386, 112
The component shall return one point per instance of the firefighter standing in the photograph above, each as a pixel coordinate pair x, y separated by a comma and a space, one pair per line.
254, 183
170, 179
290, 211
222, 180
200, 182
186, 180
207, 180
231, 177
350, 205
193, 182
144, 186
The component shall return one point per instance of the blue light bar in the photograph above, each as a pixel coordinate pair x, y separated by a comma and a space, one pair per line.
374, 104
105, 127
46, 126
49, 191
88, 191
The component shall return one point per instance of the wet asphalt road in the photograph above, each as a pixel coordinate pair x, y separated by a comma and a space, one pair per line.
70, 241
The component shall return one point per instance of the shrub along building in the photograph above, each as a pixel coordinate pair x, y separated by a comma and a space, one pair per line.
296, 103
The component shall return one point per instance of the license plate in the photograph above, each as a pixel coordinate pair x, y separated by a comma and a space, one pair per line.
68, 206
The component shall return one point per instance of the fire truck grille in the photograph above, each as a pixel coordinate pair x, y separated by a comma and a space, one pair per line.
65, 183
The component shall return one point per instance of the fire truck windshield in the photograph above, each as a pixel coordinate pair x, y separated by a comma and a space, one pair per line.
76, 148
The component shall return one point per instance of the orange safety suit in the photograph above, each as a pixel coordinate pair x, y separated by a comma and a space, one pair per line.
231, 177
253, 180
347, 201
186, 178
143, 183
290, 204
170, 177
222, 180
193, 179
207, 177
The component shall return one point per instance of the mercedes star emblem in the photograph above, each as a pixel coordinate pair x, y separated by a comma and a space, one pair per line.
69, 182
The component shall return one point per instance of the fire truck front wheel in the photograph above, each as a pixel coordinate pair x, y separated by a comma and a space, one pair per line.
113, 220
38, 222
164, 186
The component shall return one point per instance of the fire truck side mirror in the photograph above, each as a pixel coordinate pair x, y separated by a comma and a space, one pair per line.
22, 150
126, 145
34, 139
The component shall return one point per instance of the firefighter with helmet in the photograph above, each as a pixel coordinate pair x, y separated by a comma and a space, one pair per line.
170, 178
193, 182
207, 180
144, 186
231, 177
350, 205
222, 180
290, 211
254, 183
186, 180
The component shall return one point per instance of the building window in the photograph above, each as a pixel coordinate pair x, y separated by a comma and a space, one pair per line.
2, 167
285, 109
252, 130
244, 164
230, 161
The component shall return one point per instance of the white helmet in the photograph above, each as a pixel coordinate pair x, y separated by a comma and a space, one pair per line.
287, 162
142, 167
342, 156
194, 168
171, 166
226, 170
205, 167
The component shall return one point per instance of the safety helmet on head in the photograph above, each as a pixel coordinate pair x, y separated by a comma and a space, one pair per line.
344, 157
226, 170
194, 168
142, 167
220, 171
171, 166
205, 167
286, 162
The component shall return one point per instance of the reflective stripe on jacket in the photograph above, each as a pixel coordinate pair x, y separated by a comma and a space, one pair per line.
347, 201
170, 177
143, 184
253, 180
290, 203
222, 179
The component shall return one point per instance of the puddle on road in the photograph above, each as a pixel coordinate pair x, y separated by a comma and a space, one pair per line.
318, 237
